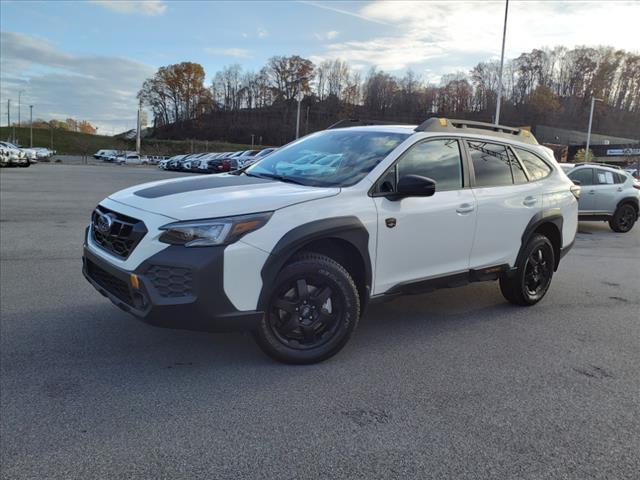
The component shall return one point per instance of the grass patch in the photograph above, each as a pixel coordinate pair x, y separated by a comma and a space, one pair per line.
75, 143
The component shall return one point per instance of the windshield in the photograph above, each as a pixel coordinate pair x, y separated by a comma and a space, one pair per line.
336, 158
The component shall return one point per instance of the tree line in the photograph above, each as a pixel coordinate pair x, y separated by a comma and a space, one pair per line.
70, 124
545, 86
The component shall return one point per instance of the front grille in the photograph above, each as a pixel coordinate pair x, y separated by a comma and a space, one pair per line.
171, 281
123, 236
111, 284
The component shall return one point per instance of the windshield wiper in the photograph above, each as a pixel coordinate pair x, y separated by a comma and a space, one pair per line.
274, 176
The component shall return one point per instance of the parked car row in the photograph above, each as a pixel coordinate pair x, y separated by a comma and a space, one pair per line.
12, 155
127, 157
214, 162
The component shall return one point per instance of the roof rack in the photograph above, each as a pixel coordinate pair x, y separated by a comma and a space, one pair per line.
356, 122
448, 125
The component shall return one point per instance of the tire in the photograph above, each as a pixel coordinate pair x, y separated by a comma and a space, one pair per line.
624, 218
312, 311
532, 278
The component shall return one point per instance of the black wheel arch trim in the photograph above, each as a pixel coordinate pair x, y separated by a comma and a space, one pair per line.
632, 200
552, 216
349, 229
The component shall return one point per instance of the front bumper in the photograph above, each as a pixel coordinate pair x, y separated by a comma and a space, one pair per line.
177, 288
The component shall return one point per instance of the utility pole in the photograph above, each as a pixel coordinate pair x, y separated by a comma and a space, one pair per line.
593, 104
19, 107
138, 133
252, 137
31, 126
8, 112
504, 37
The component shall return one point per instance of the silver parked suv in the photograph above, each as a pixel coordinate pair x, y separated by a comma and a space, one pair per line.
608, 194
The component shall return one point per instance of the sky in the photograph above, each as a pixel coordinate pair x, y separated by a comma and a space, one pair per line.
88, 59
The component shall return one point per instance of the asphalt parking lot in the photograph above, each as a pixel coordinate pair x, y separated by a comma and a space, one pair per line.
452, 384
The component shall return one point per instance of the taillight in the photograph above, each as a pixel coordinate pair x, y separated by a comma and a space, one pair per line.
575, 189
636, 186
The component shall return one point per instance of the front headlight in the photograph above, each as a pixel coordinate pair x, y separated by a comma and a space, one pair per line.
216, 231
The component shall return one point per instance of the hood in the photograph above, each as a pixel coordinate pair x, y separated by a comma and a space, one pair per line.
217, 196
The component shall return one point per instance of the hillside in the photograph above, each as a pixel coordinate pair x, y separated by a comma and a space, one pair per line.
74, 143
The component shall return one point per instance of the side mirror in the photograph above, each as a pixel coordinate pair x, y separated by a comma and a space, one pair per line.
577, 182
413, 186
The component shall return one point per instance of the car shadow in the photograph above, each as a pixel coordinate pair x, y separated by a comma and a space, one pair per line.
99, 334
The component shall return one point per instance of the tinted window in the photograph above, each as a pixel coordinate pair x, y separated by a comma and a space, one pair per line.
490, 163
584, 176
536, 167
439, 160
619, 177
519, 176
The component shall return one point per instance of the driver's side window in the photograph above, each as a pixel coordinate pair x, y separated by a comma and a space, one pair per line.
439, 160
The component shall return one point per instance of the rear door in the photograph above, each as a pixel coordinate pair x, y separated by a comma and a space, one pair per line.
608, 189
424, 237
507, 201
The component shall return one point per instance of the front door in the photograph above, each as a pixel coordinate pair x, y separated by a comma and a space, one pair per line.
424, 237
588, 192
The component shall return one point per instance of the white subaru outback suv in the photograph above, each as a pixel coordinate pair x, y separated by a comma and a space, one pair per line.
296, 246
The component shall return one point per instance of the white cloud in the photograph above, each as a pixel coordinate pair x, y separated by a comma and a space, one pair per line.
229, 52
429, 34
96, 88
262, 32
143, 7
331, 7
330, 35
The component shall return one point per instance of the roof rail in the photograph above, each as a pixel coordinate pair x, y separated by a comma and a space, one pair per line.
601, 164
448, 125
356, 122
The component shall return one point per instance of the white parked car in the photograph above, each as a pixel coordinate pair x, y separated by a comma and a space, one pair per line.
15, 155
132, 159
295, 247
609, 194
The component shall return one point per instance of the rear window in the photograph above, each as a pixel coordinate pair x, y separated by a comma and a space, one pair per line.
490, 164
536, 167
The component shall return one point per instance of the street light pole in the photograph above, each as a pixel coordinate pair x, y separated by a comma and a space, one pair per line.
504, 37
299, 82
593, 104
298, 114
31, 126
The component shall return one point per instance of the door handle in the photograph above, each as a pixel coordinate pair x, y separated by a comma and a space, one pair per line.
592, 192
619, 189
465, 208
530, 201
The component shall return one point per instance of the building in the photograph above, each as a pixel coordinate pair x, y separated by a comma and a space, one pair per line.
605, 148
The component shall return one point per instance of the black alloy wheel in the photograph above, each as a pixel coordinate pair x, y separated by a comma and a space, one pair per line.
624, 219
538, 271
312, 311
530, 280
305, 313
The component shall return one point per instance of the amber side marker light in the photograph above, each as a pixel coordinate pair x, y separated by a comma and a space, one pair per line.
135, 282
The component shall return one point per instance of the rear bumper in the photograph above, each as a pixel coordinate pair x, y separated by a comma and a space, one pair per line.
177, 288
